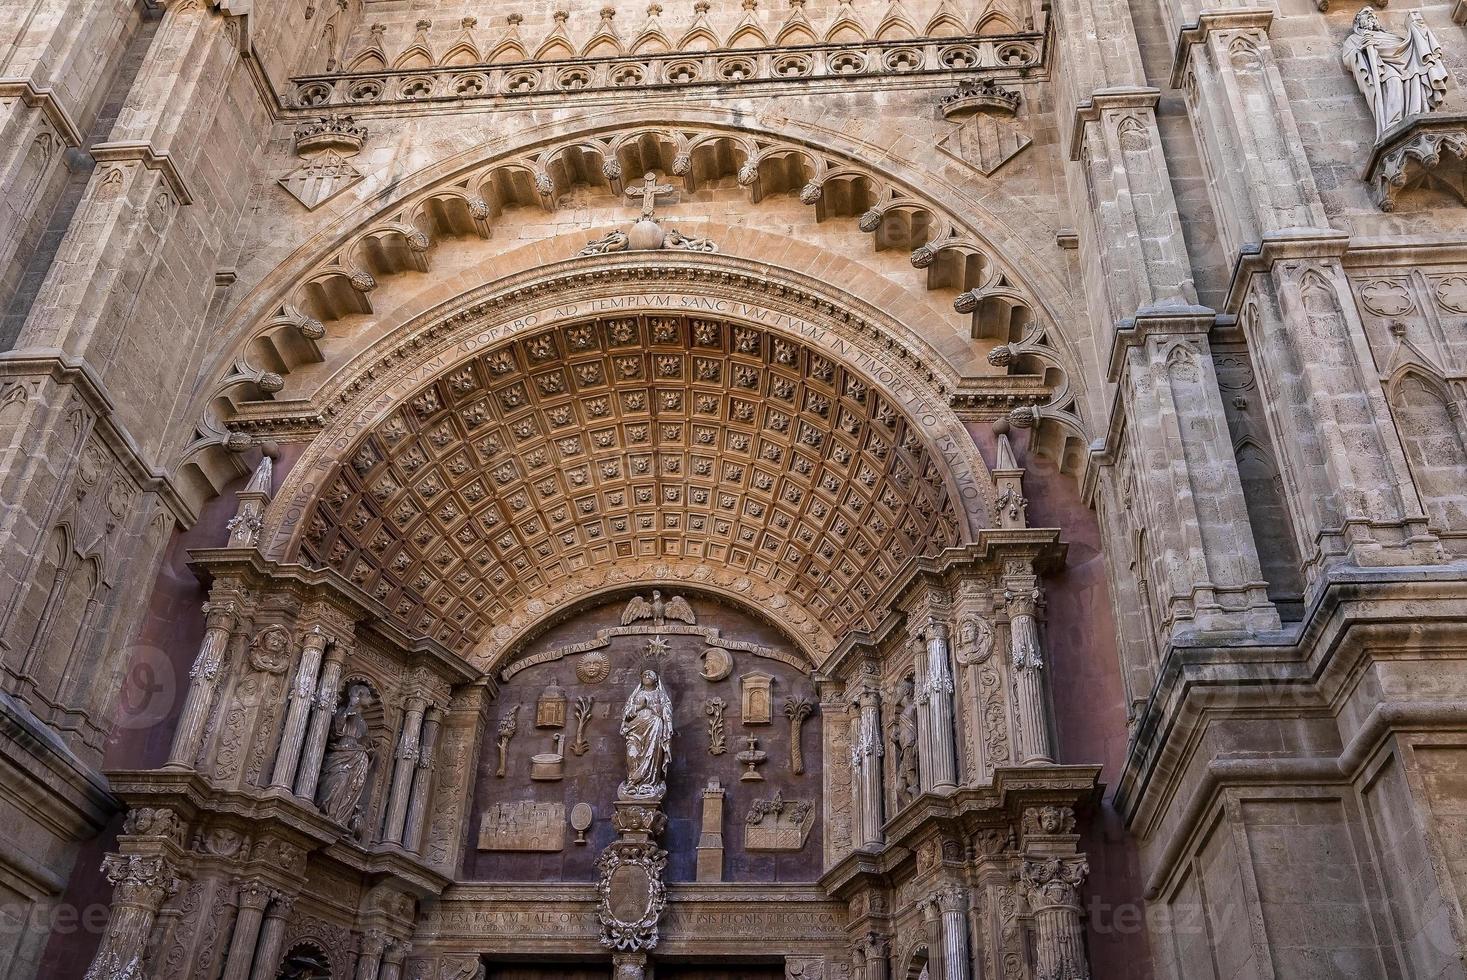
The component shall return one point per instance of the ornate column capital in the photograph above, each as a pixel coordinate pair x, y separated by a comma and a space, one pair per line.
282, 905
374, 942
254, 894
141, 880
397, 950
1053, 882
950, 897
220, 614
1021, 602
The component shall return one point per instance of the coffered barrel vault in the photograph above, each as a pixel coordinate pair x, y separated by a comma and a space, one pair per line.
632, 438
776, 489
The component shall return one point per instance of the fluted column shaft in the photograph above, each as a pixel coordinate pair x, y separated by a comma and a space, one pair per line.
868, 755
1052, 887
422, 779
932, 921
952, 903
1028, 663
878, 957
140, 886
941, 713
239, 962
319, 728
272, 939
219, 620
924, 715
370, 960
397, 951
298, 714
408, 751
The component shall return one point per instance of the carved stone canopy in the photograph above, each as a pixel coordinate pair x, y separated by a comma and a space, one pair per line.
1420, 152
614, 440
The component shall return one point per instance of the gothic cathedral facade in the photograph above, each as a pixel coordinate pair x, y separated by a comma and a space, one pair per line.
733, 490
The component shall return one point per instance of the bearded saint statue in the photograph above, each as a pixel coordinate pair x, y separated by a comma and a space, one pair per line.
1399, 76
646, 724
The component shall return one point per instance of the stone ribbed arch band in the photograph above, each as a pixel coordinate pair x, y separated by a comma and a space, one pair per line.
631, 438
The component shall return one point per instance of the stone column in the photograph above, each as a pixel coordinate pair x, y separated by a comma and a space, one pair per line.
324, 706
369, 962
940, 708
876, 950
924, 714
1028, 661
219, 620
422, 780
397, 951
408, 751
866, 756
272, 939
952, 905
253, 897
1052, 888
140, 885
932, 925
288, 757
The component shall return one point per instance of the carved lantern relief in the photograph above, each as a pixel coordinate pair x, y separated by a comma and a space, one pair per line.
720, 671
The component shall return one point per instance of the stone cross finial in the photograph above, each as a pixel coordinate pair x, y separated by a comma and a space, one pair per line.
650, 192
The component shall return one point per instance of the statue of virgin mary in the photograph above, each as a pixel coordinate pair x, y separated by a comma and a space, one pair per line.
646, 724
1399, 76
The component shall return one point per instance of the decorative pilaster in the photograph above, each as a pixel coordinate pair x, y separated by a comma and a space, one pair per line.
219, 620
322, 708
140, 886
941, 713
866, 759
272, 938
1052, 888
1028, 663
298, 714
409, 749
369, 959
254, 895
422, 779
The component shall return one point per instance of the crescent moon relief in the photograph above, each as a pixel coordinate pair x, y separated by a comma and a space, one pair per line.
717, 664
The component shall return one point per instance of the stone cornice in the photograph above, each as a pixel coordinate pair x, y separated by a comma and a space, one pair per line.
1102, 100
1000, 804
249, 566
140, 152
1153, 322
928, 62
1041, 546
1360, 615
1279, 246
65, 369
46, 98
1237, 19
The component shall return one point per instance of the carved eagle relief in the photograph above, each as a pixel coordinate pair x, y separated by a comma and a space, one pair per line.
658, 611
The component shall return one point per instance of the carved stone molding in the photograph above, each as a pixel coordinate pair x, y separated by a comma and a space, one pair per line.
1427, 151
827, 65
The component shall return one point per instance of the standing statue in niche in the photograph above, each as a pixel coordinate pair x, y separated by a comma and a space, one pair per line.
904, 743
646, 724
348, 758
1399, 76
